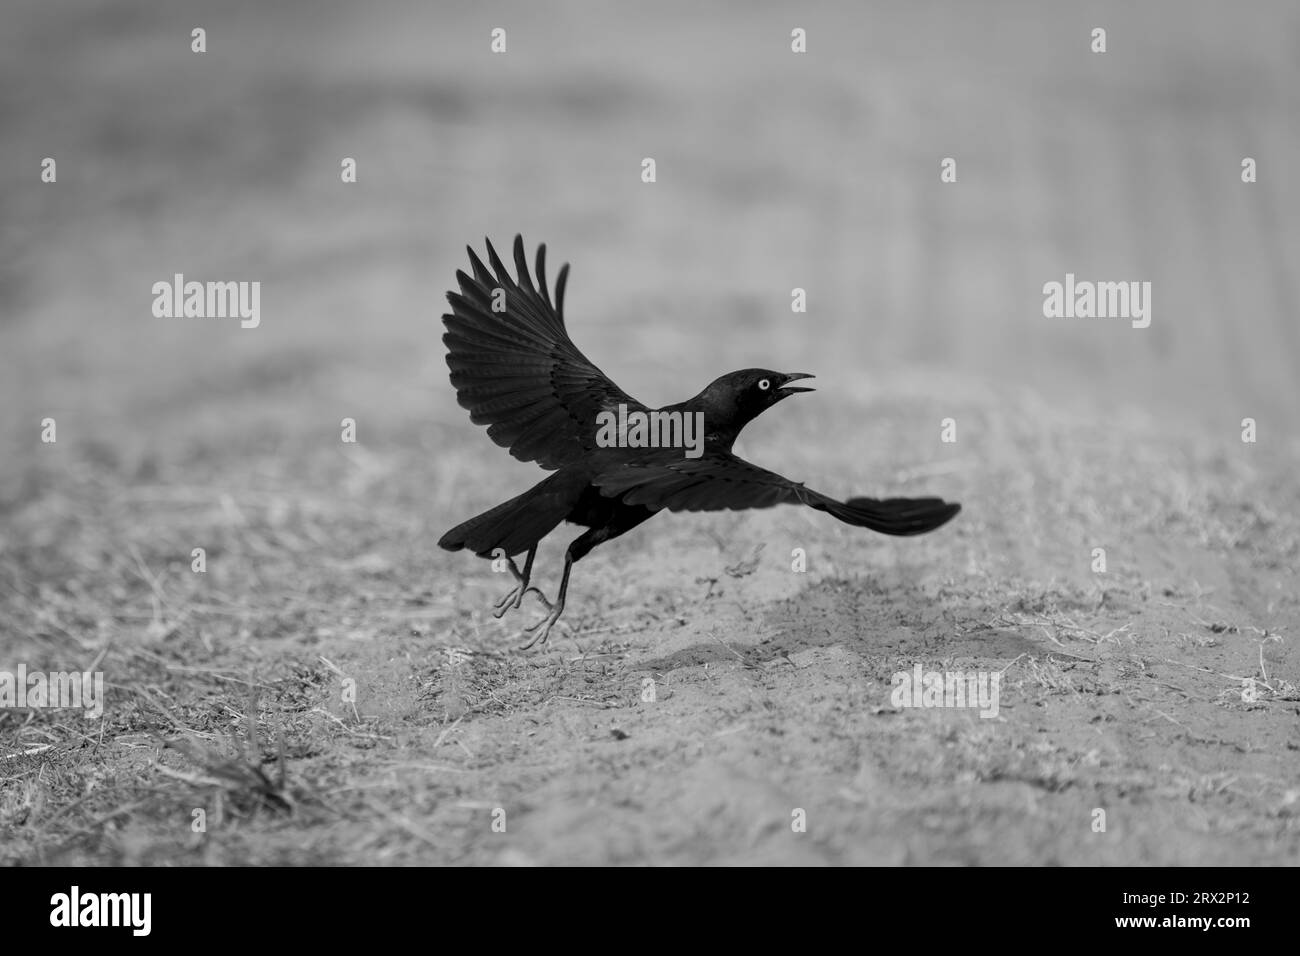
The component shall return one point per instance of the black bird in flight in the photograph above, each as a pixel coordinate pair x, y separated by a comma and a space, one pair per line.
517, 371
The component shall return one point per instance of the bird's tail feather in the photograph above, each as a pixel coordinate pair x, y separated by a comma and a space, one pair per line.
900, 516
516, 525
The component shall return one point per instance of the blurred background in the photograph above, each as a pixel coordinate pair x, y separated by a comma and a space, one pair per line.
775, 171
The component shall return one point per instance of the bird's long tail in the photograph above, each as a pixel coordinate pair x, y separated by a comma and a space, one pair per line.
516, 525
900, 516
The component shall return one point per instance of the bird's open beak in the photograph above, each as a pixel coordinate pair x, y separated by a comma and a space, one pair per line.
787, 389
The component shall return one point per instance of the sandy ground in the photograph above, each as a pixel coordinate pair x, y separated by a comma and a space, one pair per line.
1121, 691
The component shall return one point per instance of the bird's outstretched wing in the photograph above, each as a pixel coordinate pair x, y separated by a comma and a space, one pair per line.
722, 482
516, 370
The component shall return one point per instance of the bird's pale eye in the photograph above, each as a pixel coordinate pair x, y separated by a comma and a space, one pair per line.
764, 385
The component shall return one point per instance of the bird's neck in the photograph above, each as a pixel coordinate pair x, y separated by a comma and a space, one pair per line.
721, 424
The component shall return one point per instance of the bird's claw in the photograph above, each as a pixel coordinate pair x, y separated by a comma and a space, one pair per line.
520, 591
510, 601
543, 627
516, 597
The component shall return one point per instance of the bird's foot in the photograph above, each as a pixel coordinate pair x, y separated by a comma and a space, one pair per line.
543, 627
516, 597
510, 601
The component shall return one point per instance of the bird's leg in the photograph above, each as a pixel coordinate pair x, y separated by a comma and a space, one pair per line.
543, 627
516, 597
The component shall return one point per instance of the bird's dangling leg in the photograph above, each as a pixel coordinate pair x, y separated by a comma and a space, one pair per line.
516, 597
621, 521
543, 627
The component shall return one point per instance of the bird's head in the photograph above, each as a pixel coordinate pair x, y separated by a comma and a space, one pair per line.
737, 398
